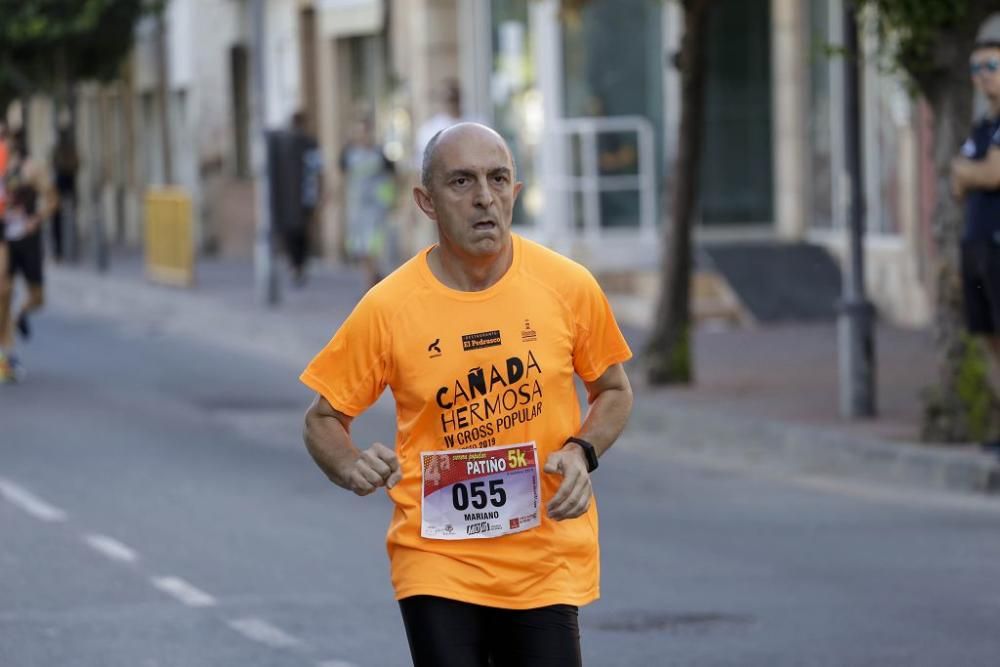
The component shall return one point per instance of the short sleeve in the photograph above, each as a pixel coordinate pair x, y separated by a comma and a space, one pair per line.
599, 342
351, 371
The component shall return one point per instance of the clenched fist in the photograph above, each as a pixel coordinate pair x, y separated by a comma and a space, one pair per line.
375, 467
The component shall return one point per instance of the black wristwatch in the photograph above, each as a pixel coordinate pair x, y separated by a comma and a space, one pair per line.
588, 451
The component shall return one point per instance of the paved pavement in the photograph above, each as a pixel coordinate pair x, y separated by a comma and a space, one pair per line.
764, 397
158, 509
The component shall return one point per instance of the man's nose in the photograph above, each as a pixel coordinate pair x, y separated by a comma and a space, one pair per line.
484, 196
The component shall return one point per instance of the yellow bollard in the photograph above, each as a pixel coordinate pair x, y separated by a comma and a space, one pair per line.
169, 237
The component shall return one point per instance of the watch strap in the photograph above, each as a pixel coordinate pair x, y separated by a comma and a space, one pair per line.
588, 451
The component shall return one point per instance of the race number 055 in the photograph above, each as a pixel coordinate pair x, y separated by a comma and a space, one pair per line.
475, 492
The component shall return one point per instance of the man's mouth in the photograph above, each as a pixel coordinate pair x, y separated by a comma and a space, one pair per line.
484, 225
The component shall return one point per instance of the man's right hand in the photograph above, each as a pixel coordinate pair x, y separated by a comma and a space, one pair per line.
376, 466
327, 436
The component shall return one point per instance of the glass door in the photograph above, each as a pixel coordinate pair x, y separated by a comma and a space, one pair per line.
613, 68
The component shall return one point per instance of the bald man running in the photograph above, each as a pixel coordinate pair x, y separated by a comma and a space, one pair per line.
493, 541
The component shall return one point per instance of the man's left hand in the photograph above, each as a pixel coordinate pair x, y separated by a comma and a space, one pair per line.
573, 496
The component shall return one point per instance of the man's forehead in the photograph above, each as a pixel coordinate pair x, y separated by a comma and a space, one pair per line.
986, 52
473, 144
472, 151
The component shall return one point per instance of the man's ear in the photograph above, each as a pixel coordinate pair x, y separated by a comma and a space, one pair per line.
424, 202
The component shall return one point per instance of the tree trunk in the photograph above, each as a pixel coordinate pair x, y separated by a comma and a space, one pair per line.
163, 97
961, 407
669, 353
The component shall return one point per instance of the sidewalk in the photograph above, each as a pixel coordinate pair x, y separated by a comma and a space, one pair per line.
765, 397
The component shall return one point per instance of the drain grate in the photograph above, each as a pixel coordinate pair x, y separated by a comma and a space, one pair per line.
651, 621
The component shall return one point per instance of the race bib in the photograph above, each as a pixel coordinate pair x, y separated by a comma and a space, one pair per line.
478, 493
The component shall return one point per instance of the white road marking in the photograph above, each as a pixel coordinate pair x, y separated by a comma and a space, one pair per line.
111, 548
30, 503
335, 663
183, 591
261, 631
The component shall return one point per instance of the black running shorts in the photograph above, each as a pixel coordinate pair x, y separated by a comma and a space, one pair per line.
25, 257
448, 633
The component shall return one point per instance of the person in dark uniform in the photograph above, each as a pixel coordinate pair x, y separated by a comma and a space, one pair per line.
975, 180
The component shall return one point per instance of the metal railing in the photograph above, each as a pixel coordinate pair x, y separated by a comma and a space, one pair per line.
591, 183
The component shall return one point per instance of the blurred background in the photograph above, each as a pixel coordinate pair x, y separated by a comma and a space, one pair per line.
231, 176
584, 92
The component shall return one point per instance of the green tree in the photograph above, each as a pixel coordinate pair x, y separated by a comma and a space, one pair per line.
932, 42
47, 45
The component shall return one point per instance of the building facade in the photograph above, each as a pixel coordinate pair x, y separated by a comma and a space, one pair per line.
586, 94
584, 91
179, 117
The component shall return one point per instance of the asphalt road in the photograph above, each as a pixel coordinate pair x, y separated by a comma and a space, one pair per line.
157, 509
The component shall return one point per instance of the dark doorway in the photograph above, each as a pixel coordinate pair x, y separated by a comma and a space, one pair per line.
240, 87
736, 168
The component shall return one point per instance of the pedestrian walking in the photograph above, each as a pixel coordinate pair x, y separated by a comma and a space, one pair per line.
975, 180
65, 163
370, 187
29, 201
448, 99
296, 177
493, 540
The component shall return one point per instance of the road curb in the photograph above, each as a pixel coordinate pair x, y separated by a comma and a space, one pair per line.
812, 450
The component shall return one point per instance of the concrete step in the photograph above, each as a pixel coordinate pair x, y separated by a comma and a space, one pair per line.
634, 294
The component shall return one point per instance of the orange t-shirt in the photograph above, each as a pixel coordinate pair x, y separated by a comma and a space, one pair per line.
543, 321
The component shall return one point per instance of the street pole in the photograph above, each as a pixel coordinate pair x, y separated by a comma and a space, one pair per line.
857, 315
265, 275
163, 98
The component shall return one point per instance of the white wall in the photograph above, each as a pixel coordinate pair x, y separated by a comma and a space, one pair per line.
284, 89
183, 40
215, 29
